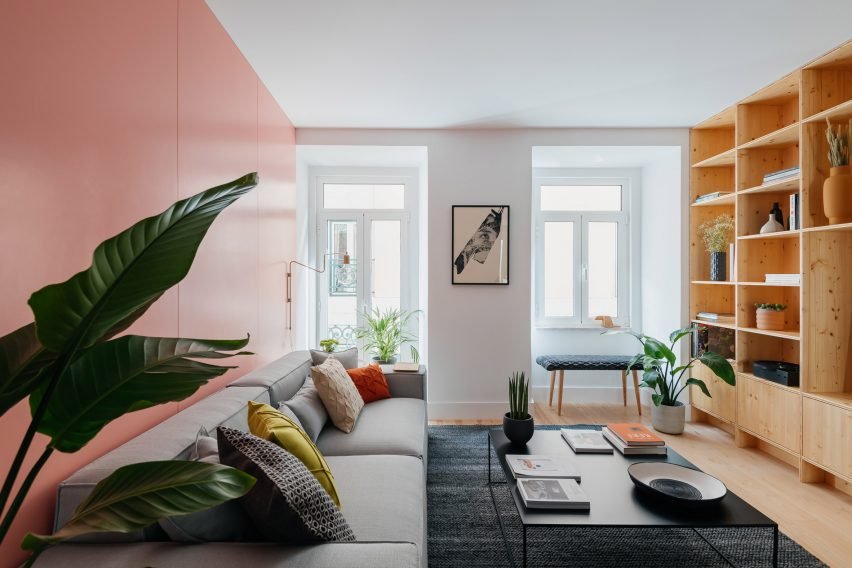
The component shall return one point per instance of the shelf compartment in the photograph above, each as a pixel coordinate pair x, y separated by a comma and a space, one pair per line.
828, 318
757, 257
729, 199
770, 412
754, 163
837, 114
826, 87
748, 296
791, 184
723, 119
708, 180
699, 259
726, 158
786, 136
769, 110
707, 143
754, 346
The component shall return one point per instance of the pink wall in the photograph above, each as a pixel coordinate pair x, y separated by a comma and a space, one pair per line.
110, 111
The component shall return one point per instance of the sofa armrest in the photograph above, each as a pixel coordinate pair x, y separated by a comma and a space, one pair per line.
406, 385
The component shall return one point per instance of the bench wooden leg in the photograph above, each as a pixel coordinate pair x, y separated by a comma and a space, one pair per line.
636, 390
552, 380
624, 386
561, 381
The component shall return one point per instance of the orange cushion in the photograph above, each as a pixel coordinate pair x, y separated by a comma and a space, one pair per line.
370, 382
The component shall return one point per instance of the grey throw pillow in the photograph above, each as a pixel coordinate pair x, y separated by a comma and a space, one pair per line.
348, 357
308, 408
287, 504
227, 522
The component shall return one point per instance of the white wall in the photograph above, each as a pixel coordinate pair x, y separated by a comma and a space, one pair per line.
478, 335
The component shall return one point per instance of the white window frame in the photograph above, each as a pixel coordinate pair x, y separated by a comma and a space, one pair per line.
408, 215
627, 236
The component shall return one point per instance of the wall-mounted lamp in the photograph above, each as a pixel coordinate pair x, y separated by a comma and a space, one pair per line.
345, 256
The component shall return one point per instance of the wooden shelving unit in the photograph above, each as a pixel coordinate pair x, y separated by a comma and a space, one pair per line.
779, 127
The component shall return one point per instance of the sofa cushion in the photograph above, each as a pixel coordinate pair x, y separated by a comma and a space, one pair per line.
308, 408
348, 357
394, 426
384, 497
338, 394
287, 504
267, 423
370, 382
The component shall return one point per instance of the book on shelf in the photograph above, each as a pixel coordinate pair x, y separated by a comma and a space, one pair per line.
586, 441
709, 196
714, 317
547, 493
793, 222
635, 434
528, 466
781, 174
732, 261
626, 450
783, 279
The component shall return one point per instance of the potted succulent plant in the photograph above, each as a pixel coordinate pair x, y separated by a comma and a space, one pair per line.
518, 425
329, 345
717, 235
665, 376
385, 331
837, 189
770, 316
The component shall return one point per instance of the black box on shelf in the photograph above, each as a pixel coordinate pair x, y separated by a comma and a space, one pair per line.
780, 372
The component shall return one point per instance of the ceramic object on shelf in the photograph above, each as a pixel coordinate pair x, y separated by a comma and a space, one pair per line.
668, 419
770, 320
677, 484
771, 226
718, 266
837, 195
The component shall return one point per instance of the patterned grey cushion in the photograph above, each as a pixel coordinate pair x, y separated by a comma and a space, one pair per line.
348, 357
585, 362
287, 504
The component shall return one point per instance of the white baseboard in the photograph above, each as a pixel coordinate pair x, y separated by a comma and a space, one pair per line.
469, 410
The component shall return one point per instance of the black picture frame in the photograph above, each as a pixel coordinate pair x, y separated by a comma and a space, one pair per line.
480, 275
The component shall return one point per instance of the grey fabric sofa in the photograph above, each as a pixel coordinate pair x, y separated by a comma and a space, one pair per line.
380, 470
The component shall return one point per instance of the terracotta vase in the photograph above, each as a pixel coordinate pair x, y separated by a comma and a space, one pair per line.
837, 196
772, 320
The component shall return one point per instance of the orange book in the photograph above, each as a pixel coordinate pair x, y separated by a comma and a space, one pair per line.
634, 434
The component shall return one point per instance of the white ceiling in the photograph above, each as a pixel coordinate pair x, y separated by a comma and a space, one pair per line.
513, 63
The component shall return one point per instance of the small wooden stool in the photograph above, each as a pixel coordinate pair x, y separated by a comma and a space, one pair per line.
562, 363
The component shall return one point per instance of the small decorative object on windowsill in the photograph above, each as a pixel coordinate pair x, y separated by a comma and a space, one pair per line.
770, 316
329, 345
837, 189
717, 234
665, 377
518, 425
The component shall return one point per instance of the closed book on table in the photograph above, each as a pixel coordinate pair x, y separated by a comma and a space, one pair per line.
626, 450
634, 434
525, 466
586, 441
553, 494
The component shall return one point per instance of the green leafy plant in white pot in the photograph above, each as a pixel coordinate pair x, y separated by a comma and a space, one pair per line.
668, 379
329, 345
385, 331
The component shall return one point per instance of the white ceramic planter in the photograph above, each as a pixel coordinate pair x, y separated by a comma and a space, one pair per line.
669, 419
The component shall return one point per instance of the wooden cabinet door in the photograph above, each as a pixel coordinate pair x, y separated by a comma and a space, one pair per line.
769, 411
827, 436
723, 400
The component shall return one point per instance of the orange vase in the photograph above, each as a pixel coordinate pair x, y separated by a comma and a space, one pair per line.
837, 196
770, 319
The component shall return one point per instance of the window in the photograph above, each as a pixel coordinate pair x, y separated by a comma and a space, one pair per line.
582, 264
367, 216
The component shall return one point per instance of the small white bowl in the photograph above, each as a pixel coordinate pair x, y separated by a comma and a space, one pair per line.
677, 483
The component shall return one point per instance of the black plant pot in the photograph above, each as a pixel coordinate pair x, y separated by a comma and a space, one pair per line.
519, 432
718, 266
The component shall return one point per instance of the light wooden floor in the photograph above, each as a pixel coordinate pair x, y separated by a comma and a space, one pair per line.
815, 515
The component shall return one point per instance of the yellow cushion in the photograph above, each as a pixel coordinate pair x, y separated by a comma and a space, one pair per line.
267, 423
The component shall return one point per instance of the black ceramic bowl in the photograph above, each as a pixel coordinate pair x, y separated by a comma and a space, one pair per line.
676, 484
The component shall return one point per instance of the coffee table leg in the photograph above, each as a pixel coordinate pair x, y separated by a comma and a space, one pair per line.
775, 547
525, 546
489, 459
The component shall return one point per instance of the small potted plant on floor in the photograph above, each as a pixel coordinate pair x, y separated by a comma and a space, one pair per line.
518, 425
717, 234
668, 379
329, 345
837, 188
770, 316
385, 331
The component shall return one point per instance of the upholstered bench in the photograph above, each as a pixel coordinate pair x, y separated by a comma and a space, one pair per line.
562, 363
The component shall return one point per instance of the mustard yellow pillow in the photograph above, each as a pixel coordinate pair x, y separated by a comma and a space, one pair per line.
267, 423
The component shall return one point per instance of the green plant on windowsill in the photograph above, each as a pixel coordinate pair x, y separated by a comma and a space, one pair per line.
385, 331
79, 377
329, 345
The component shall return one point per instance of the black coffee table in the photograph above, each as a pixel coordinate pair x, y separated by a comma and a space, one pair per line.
615, 501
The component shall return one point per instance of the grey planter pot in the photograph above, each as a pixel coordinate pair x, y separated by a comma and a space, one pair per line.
519, 432
669, 419
390, 361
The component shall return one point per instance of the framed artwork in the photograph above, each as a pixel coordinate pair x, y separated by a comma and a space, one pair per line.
480, 244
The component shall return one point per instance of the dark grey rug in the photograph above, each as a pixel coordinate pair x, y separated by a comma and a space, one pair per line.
464, 531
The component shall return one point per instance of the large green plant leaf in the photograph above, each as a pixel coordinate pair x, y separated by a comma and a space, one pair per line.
22, 360
137, 495
129, 270
124, 375
720, 367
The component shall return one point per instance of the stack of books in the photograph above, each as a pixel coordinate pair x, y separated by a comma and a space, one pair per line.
633, 439
781, 174
547, 482
709, 196
714, 317
784, 279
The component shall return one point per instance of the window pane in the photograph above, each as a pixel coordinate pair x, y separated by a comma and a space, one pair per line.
386, 269
581, 198
342, 283
603, 269
363, 196
558, 269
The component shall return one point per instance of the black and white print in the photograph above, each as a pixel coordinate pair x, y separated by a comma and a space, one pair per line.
480, 244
